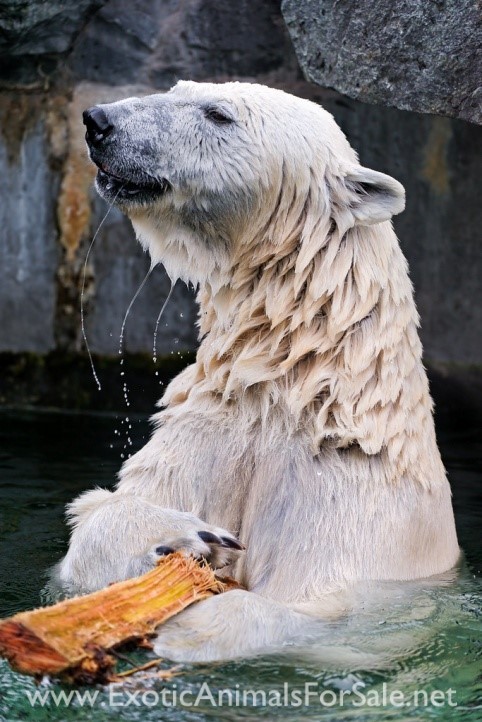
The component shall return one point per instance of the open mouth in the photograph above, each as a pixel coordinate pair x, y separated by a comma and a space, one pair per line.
112, 187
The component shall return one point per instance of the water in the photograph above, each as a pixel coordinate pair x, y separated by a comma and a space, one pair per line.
125, 389
158, 320
47, 458
82, 292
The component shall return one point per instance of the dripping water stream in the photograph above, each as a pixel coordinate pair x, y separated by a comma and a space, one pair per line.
82, 293
161, 312
125, 389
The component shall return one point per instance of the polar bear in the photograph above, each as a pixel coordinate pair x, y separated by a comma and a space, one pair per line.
298, 452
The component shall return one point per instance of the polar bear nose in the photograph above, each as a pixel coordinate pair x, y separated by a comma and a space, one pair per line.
97, 124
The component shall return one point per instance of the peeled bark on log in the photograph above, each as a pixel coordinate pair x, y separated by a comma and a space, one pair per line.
71, 639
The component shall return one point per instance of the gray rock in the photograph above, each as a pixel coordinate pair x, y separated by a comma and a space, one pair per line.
28, 248
157, 42
34, 33
116, 45
36, 27
422, 55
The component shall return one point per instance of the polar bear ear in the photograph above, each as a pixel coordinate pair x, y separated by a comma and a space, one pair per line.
378, 197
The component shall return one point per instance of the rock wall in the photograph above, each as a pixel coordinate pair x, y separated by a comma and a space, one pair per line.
29, 254
89, 52
422, 55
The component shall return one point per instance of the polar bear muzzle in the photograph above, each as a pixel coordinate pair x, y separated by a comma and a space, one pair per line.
131, 185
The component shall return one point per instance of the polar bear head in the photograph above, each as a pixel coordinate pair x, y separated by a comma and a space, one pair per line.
205, 169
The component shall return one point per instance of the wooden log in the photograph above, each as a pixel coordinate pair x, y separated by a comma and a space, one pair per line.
71, 639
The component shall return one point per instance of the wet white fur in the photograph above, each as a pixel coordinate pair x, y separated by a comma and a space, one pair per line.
305, 424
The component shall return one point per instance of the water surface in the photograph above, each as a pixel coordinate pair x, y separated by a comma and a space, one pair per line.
431, 646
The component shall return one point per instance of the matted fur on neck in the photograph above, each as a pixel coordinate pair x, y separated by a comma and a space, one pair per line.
318, 318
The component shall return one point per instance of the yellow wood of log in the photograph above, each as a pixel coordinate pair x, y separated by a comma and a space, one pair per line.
71, 638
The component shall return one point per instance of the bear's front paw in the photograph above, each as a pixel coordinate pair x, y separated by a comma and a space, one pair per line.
215, 546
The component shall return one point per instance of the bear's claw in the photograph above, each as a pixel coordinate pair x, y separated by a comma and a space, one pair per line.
209, 537
216, 548
232, 543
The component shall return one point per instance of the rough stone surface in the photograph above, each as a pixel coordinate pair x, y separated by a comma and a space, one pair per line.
28, 249
422, 55
35, 33
157, 42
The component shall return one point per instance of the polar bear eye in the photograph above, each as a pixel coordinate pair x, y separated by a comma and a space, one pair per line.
217, 115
